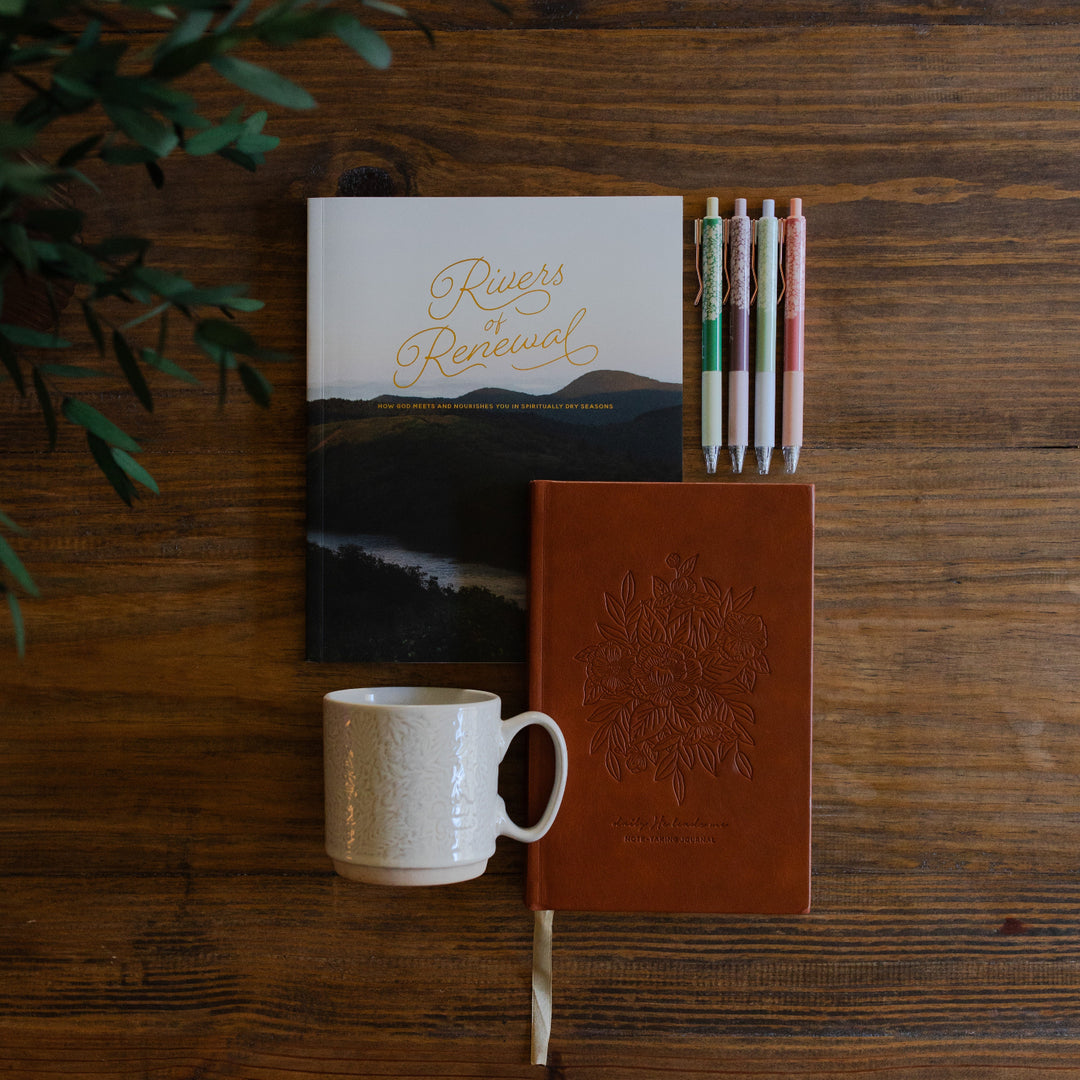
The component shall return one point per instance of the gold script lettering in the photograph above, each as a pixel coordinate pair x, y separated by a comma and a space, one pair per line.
468, 277
560, 337
422, 348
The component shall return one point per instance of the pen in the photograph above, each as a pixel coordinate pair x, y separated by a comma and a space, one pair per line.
712, 388
768, 241
739, 361
794, 319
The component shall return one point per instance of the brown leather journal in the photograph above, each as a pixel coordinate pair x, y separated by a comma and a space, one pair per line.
671, 632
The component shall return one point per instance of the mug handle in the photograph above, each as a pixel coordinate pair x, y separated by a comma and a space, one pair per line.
510, 728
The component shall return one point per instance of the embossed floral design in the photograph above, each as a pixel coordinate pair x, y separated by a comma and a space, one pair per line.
670, 675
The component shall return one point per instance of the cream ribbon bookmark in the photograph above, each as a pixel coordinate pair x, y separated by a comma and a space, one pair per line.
541, 986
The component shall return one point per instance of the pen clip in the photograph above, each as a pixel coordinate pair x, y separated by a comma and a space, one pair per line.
753, 263
780, 258
697, 260
725, 270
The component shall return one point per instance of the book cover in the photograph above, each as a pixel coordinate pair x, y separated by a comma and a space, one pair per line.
671, 632
459, 348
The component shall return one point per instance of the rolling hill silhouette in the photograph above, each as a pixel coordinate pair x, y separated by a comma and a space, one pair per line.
452, 477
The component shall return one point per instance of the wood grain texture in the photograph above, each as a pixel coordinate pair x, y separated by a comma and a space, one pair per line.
167, 908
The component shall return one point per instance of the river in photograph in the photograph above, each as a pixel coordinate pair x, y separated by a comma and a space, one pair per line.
445, 569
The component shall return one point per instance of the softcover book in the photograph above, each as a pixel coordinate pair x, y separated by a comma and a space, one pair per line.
459, 348
671, 639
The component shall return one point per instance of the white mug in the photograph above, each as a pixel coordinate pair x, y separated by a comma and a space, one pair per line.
412, 778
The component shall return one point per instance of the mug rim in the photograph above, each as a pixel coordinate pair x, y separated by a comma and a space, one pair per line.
409, 697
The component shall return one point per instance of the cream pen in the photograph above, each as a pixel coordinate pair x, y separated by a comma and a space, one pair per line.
768, 245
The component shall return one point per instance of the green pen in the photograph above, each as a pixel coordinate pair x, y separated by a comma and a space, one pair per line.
768, 262
712, 295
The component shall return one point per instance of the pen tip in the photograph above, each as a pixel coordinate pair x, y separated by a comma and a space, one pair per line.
737, 453
791, 458
710, 458
764, 454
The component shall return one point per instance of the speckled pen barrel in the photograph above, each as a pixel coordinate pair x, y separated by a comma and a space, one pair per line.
739, 234
794, 318
768, 259
712, 387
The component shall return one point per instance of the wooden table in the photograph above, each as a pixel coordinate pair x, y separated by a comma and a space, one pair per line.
167, 910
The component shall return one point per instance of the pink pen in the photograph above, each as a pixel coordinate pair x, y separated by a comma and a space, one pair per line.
794, 318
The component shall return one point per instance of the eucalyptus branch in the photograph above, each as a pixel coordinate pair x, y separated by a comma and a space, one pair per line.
134, 115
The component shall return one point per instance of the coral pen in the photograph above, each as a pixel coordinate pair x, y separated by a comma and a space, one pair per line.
794, 318
739, 229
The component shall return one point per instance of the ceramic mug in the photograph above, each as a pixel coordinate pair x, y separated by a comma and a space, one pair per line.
412, 778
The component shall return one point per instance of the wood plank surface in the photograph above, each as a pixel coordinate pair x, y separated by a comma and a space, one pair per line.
167, 908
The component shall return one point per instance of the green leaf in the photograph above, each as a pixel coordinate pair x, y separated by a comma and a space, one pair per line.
262, 82
155, 360
143, 129
363, 40
257, 144
146, 316
69, 371
256, 122
15, 567
147, 94
227, 335
238, 9
10, 525
90, 36
186, 31
33, 339
166, 285
74, 174
132, 372
10, 359
212, 139
94, 326
86, 416
45, 251
284, 27
12, 7
251, 162
16, 137
15, 239
74, 154
116, 476
390, 9
60, 224
134, 469
113, 247
244, 303
47, 410
79, 89
185, 58
17, 623
127, 155
256, 385
218, 296
32, 54
79, 264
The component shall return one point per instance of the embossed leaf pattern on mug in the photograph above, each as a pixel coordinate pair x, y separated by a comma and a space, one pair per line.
671, 676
